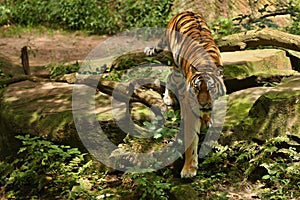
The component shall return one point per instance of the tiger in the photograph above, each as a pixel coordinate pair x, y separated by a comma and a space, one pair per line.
196, 77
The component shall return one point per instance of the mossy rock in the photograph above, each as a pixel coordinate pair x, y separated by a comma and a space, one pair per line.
260, 62
183, 192
274, 113
277, 112
239, 104
38, 109
44, 109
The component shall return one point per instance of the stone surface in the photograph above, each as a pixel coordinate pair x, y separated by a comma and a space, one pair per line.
274, 112
40, 109
263, 62
184, 192
277, 112
44, 109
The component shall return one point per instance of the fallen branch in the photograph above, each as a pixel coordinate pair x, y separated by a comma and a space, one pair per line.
132, 92
256, 38
129, 91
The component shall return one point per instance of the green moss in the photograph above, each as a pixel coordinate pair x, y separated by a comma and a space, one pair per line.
237, 71
274, 114
263, 68
184, 192
105, 116
237, 111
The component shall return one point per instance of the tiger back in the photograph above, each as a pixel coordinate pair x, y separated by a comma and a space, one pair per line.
197, 78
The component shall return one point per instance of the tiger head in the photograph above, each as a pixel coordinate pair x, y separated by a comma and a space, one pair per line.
204, 89
207, 87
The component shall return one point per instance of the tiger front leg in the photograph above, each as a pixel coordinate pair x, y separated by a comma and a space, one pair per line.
190, 167
192, 126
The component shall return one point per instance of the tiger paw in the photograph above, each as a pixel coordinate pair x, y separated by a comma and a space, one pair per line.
149, 51
169, 101
188, 172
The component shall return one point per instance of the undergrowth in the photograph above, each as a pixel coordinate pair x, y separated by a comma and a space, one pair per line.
60, 69
101, 17
43, 170
275, 164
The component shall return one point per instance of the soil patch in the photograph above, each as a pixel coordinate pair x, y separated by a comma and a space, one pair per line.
48, 48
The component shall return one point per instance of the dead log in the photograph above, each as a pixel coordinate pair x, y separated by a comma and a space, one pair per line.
256, 38
131, 92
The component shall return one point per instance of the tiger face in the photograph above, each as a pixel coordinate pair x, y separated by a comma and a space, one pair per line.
201, 92
204, 89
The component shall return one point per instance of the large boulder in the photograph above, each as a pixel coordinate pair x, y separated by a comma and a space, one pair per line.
274, 112
254, 68
39, 109
44, 109
260, 62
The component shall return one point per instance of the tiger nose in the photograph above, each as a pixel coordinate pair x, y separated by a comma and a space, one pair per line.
206, 106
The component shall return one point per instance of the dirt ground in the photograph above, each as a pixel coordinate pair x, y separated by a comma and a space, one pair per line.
47, 48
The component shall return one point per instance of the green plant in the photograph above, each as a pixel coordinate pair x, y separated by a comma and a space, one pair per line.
283, 168
139, 13
262, 20
3, 76
5, 14
59, 69
43, 167
259, 18
273, 163
101, 17
149, 185
293, 7
223, 27
113, 75
169, 129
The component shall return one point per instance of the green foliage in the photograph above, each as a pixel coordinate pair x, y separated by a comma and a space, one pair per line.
140, 13
169, 129
59, 69
149, 185
294, 8
250, 22
102, 17
273, 163
244, 22
3, 76
223, 27
5, 14
113, 75
283, 168
43, 167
